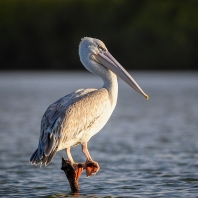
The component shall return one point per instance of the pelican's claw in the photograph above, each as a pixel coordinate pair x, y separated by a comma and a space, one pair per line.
91, 168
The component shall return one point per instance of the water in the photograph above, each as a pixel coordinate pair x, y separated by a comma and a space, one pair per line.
147, 149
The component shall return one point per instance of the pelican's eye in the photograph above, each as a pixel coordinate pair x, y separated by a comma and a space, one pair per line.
101, 49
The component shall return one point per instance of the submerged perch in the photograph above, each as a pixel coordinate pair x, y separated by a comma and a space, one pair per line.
73, 175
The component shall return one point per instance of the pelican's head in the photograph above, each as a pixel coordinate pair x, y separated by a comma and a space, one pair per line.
89, 47
94, 54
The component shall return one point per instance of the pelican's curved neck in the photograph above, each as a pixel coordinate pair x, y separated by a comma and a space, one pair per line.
111, 84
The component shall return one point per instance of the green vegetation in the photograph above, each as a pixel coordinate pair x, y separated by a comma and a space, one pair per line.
141, 34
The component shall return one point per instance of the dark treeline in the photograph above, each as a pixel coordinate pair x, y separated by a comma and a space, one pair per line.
141, 34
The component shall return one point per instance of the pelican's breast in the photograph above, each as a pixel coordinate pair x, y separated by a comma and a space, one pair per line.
85, 117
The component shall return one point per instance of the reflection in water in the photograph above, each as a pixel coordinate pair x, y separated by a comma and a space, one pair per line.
71, 195
147, 149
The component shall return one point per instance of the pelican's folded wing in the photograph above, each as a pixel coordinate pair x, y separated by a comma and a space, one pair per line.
72, 110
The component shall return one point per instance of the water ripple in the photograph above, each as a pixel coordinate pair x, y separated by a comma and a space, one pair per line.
147, 149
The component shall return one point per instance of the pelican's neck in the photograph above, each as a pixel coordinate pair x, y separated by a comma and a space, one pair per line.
111, 84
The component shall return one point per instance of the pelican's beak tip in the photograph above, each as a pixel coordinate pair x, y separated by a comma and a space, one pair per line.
147, 97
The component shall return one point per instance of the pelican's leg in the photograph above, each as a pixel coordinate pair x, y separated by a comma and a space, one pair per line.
70, 158
78, 168
91, 166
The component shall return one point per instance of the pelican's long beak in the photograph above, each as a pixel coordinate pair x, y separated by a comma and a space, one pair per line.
111, 63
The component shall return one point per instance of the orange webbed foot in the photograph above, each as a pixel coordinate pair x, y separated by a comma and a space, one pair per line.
91, 168
78, 171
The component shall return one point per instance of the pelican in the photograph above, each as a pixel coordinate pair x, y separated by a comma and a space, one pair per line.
76, 117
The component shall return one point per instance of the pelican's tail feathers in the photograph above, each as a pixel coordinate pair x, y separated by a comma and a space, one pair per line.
39, 157
47, 159
35, 159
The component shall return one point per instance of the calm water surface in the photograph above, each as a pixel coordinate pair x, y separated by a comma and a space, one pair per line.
147, 149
